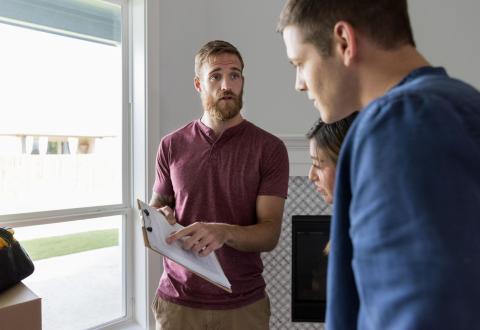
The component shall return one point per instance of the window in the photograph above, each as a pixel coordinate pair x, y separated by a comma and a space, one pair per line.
62, 114
64, 170
78, 271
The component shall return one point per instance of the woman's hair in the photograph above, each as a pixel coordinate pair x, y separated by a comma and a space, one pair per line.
329, 137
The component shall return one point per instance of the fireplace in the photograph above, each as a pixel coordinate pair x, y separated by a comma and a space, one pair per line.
310, 235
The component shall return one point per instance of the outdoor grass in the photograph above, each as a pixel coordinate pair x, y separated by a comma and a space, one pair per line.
48, 247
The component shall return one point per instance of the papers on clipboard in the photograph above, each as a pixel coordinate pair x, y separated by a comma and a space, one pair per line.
156, 229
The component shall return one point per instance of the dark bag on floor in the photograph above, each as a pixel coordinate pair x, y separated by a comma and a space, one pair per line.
15, 264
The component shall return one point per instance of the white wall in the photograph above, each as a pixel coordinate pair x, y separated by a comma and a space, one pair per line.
269, 98
183, 28
445, 31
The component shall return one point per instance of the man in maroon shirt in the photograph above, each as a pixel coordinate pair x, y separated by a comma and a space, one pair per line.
226, 181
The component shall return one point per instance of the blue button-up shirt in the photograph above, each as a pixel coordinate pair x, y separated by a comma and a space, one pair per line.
406, 225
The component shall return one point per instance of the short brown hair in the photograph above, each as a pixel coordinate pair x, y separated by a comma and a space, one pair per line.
212, 49
385, 22
329, 137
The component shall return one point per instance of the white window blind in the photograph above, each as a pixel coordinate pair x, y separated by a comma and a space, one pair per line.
93, 20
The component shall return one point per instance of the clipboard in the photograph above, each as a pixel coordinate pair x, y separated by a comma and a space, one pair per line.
155, 230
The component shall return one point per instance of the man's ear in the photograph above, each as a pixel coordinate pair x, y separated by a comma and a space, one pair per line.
345, 42
196, 83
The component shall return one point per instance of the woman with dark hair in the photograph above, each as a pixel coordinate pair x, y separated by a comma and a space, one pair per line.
325, 142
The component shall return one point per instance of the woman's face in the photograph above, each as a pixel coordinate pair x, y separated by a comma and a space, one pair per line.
322, 172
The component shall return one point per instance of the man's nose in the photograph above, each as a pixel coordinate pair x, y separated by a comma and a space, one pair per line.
225, 84
300, 82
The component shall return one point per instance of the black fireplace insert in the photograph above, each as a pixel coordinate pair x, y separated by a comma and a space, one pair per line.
310, 235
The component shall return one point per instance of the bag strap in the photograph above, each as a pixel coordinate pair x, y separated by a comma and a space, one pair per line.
6, 235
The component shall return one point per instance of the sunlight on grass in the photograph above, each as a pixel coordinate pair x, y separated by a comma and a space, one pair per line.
54, 246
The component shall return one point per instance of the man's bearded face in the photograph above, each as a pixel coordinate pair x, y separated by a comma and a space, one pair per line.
223, 105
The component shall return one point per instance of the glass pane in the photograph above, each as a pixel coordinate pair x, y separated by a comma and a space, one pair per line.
78, 271
60, 122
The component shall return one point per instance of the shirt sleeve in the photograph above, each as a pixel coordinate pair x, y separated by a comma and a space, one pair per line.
163, 183
275, 172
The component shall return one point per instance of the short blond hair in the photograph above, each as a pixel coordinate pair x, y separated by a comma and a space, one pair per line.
212, 49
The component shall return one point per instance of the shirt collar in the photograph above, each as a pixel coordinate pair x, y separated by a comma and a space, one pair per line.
226, 134
422, 71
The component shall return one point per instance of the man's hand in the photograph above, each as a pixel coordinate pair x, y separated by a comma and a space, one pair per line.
202, 238
168, 213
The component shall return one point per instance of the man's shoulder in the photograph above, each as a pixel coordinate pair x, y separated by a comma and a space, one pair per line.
187, 130
424, 101
262, 136
416, 116
431, 90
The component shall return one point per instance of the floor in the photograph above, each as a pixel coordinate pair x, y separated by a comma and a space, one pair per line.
80, 290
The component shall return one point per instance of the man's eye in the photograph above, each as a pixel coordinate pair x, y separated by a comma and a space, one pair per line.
215, 77
234, 76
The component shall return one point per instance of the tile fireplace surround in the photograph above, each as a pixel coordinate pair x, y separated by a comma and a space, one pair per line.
302, 200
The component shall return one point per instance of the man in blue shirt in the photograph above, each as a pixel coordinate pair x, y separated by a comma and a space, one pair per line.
405, 250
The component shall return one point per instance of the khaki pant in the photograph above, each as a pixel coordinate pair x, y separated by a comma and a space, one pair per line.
169, 316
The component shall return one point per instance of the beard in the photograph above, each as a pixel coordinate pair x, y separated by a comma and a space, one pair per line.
221, 109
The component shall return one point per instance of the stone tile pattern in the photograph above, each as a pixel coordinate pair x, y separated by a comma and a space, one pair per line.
302, 200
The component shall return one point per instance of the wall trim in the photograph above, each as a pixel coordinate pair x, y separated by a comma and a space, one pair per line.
294, 141
298, 153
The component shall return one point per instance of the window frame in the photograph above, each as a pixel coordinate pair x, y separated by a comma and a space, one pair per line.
124, 208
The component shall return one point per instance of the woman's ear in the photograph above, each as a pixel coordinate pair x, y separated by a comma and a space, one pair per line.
345, 42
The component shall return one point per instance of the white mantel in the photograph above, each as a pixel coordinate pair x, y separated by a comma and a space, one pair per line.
298, 154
